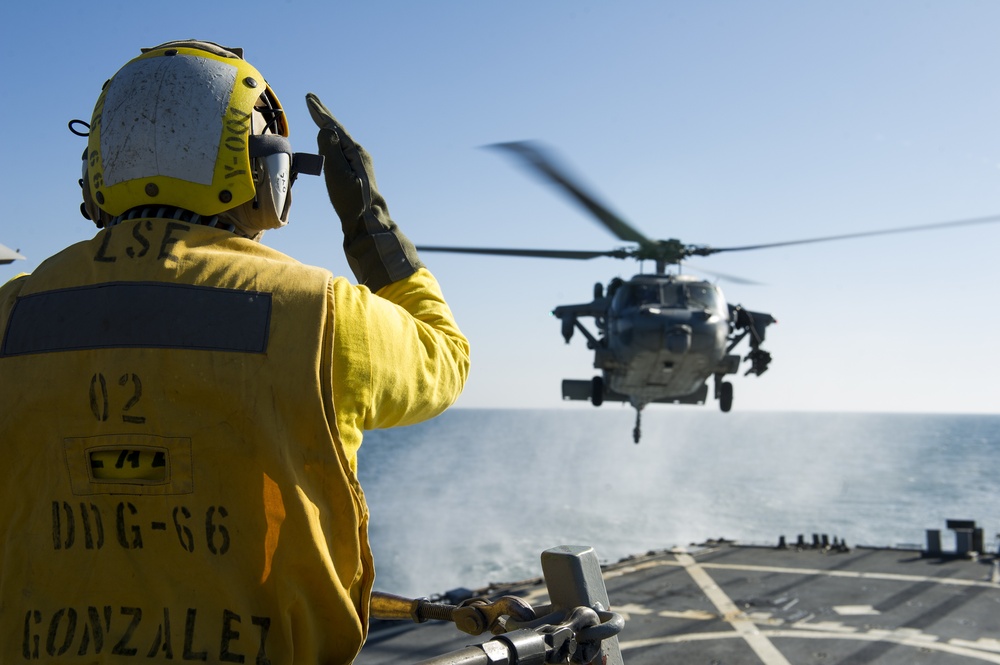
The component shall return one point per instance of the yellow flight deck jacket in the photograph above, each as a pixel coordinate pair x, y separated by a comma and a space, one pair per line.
181, 415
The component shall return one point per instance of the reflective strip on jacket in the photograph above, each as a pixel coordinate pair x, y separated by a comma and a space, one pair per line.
182, 411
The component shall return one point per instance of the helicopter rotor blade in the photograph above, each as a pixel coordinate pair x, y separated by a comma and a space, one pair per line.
535, 253
532, 155
725, 276
705, 251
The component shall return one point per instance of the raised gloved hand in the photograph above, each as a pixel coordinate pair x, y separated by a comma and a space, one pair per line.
376, 249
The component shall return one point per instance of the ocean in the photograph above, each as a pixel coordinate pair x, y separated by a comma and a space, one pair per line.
475, 495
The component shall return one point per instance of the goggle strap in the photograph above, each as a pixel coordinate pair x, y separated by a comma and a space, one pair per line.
263, 145
308, 163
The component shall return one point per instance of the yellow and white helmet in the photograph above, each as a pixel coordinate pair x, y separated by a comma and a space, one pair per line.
191, 125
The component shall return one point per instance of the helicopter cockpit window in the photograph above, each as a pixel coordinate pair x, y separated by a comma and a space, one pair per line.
661, 295
634, 295
706, 296
644, 294
672, 295
647, 294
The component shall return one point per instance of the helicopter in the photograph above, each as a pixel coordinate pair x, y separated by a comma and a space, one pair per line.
660, 337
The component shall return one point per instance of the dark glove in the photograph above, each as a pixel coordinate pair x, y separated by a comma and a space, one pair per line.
376, 249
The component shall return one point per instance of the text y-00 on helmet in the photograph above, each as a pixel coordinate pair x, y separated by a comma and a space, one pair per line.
191, 125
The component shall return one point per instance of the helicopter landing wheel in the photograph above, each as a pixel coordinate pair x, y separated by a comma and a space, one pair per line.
725, 396
597, 390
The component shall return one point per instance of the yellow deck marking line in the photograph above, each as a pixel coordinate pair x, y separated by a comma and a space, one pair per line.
687, 615
894, 577
854, 610
984, 649
855, 574
747, 629
984, 643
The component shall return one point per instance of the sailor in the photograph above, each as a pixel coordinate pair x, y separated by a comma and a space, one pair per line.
183, 406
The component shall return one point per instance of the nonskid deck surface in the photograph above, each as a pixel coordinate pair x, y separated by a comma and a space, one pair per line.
730, 604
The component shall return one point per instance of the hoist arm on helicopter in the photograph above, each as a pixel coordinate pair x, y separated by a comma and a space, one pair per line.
754, 324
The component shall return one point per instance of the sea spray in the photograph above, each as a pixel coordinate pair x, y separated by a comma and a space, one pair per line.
474, 496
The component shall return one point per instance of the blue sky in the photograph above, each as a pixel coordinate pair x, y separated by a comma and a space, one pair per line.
719, 122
